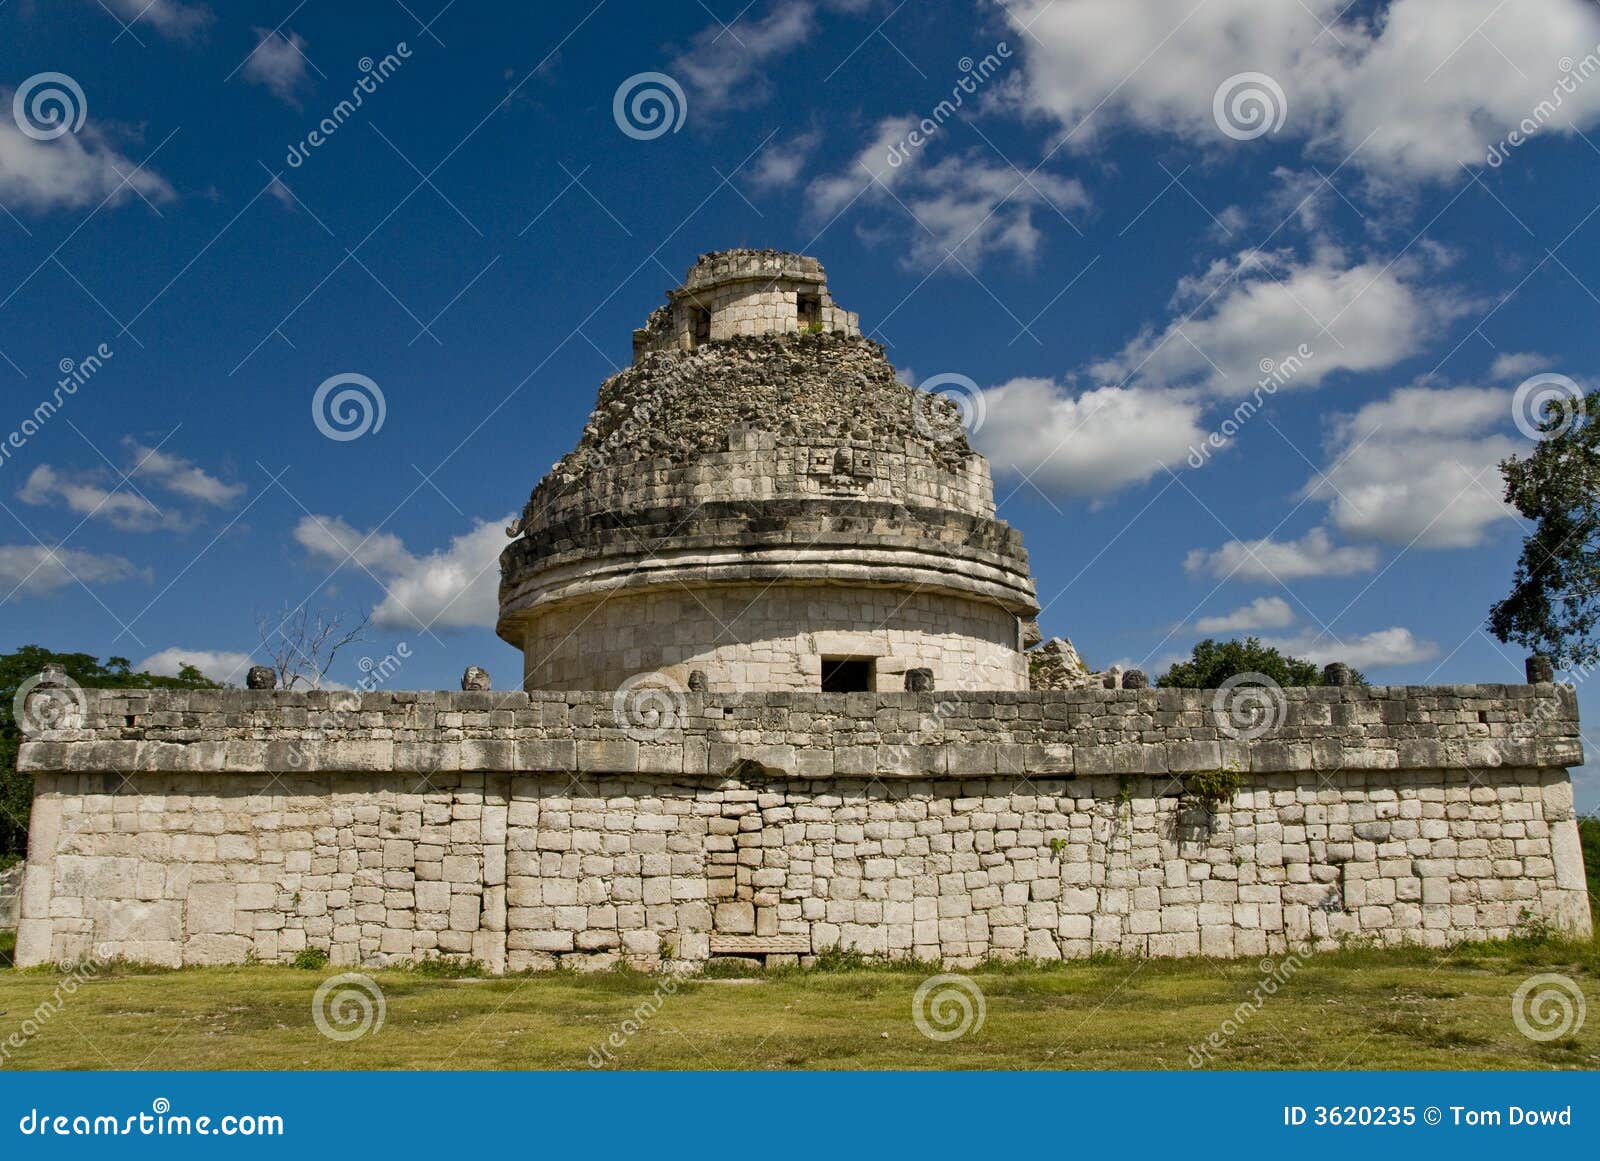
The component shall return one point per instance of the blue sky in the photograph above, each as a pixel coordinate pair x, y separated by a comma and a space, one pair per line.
1101, 237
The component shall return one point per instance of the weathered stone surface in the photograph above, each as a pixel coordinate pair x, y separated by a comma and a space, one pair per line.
10, 897
475, 678
757, 493
261, 677
942, 825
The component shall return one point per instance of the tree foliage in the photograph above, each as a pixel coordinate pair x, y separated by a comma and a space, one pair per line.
1554, 603
1213, 662
16, 788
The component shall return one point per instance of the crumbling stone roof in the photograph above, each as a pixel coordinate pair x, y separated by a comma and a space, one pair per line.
805, 389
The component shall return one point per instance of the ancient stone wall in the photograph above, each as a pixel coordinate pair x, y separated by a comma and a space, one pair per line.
775, 635
10, 897
527, 829
745, 293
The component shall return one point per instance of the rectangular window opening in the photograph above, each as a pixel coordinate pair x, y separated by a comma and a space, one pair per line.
702, 325
846, 675
808, 311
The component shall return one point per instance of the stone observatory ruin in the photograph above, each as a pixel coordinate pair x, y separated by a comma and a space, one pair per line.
782, 692
759, 499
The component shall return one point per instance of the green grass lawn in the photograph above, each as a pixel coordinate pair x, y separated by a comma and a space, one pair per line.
1404, 1008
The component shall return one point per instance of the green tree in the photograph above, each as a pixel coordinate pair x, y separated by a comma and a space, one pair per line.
1554, 603
1213, 662
16, 788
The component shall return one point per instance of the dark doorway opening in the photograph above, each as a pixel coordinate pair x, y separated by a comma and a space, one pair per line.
702, 325
808, 311
846, 675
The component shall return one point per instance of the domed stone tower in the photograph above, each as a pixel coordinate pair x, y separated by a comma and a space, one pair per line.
760, 499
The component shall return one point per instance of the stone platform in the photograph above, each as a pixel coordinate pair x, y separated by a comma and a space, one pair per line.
529, 829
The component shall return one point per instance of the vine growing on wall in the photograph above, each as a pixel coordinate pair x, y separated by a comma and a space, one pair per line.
1211, 788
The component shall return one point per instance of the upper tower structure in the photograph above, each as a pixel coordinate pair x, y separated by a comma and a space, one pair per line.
744, 292
760, 499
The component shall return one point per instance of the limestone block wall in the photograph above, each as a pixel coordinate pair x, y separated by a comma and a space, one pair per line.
757, 465
10, 897
527, 830
774, 636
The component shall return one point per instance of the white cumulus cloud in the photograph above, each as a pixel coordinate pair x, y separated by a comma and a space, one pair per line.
219, 665
959, 209
33, 569
76, 170
1393, 646
1348, 316
725, 67
1084, 444
455, 587
279, 64
1261, 613
1419, 467
1314, 554
1420, 86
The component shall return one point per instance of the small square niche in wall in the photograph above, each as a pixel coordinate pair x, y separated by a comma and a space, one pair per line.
846, 675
